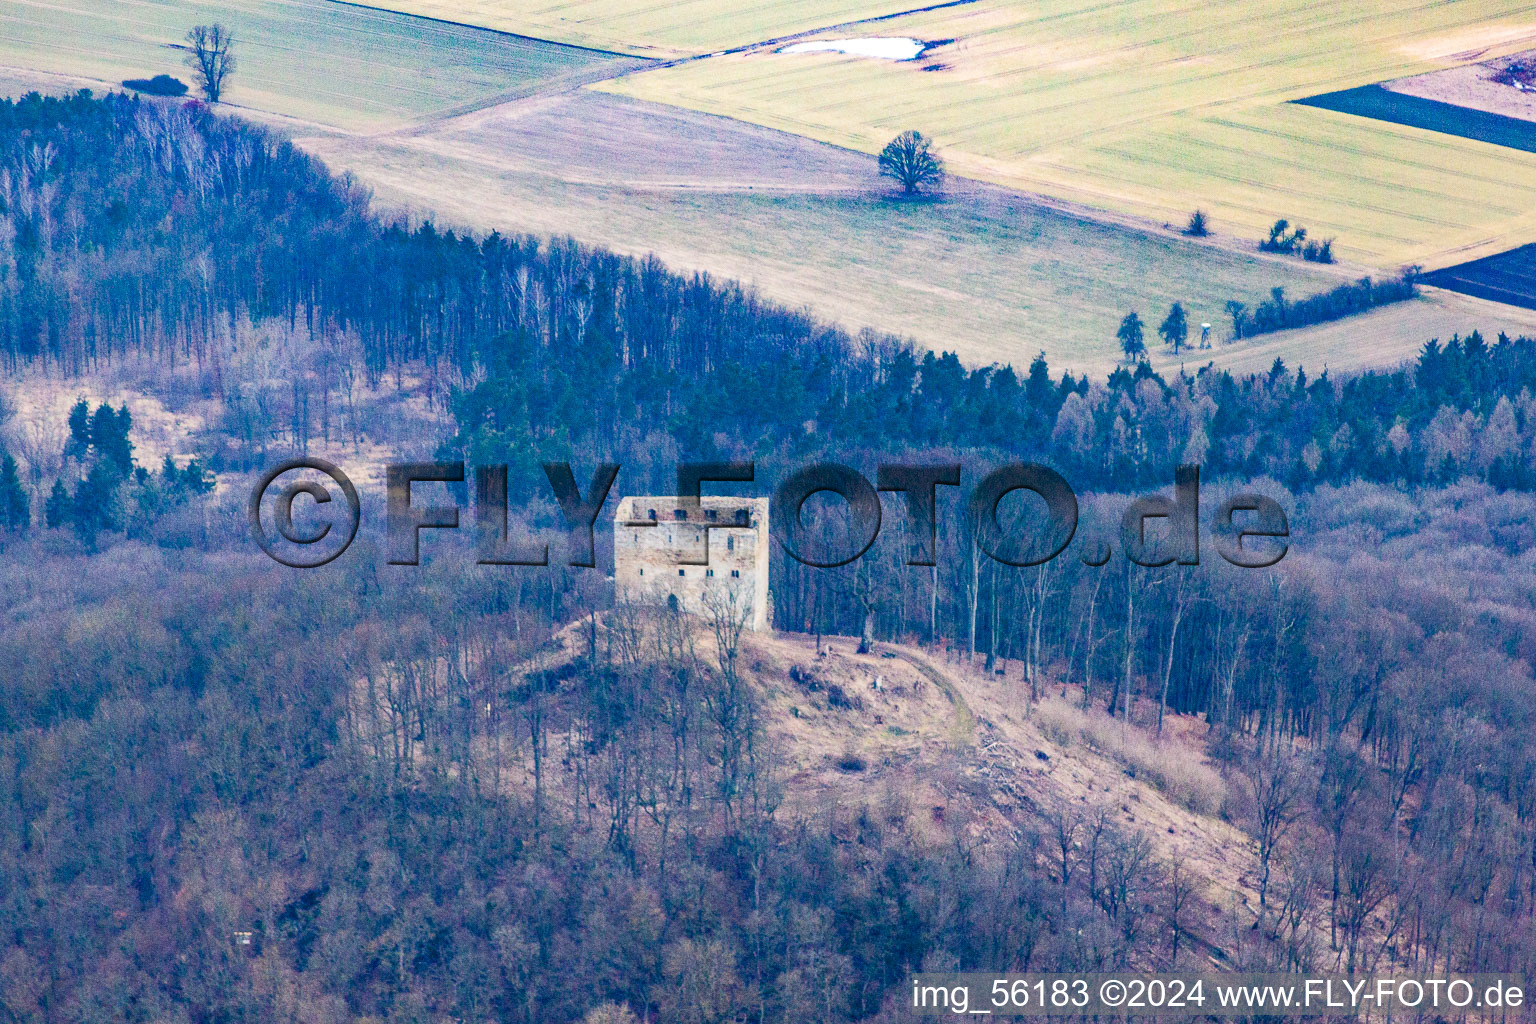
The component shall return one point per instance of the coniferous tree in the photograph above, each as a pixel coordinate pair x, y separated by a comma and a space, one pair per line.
1131, 335
1175, 327
56, 511
197, 480
15, 506
109, 438
122, 448
1038, 388
94, 508
79, 430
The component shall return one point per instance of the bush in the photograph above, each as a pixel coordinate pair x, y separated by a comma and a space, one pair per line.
1318, 252
851, 762
160, 85
1198, 226
1283, 240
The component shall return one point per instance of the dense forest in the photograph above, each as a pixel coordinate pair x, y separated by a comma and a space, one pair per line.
203, 819
169, 239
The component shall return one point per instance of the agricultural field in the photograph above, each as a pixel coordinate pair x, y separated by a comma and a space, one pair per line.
1156, 107
1435, 115
679, 28
486, 130
313, 60
1508, 277
986, 273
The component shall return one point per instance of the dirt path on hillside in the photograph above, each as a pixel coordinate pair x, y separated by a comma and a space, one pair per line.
964, 727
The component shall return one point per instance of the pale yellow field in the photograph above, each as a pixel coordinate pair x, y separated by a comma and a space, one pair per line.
1156, 107
647, 28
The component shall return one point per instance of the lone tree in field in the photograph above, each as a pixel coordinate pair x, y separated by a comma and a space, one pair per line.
1198, 227
1175, 327
1130, 335
210, 58
910, 159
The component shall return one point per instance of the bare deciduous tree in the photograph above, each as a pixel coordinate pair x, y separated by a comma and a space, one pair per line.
1180, 898
1277, 782
1066, 822
210, 56
909, 159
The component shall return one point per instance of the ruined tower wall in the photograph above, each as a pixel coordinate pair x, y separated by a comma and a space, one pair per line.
650, 562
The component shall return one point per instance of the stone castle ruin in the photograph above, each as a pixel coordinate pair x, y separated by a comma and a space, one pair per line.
705, 556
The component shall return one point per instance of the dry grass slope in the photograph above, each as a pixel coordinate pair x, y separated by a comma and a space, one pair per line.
968, 751
965, 756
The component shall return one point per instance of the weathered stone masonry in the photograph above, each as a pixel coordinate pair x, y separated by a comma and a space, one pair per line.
649, 561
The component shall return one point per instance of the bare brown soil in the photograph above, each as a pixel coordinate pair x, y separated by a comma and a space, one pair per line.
1473, 86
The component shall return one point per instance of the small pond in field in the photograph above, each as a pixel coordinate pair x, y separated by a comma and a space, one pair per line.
881, 47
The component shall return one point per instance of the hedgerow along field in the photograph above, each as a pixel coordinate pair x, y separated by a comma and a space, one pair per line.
1156, 107
330, 63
